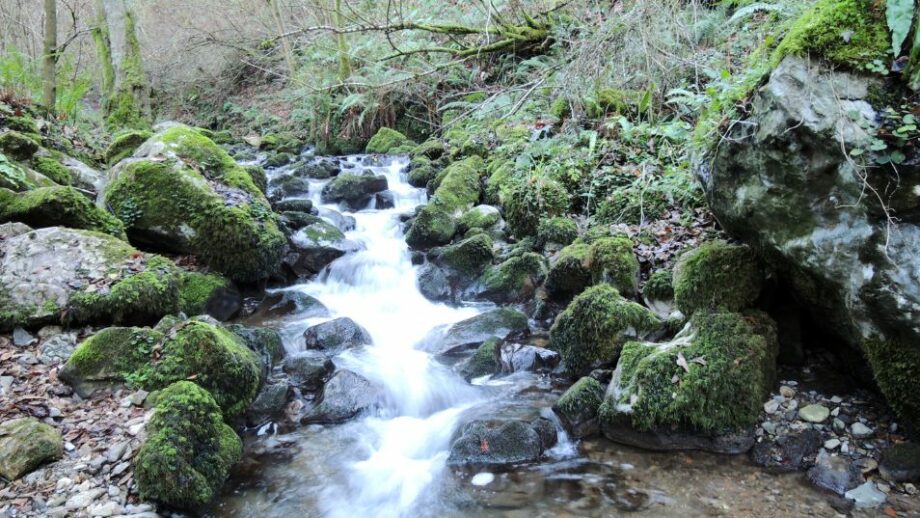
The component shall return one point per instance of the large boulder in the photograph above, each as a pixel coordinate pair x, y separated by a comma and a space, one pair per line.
514, 280
336, 335
460, 189
579, 406
189, 450
354, 191
18, 178
316, 245
793, 181
717, 275
56, 274
470, 333
57, 206
218, 361
182, 193
345, 395
26, 444
388, 140
704, 389
502, 442
593, 328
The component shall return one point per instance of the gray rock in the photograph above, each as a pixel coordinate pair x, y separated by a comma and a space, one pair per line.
814, 413
336, 335
433, 283
787, 453
834, 473
501, 442
866, 496
58, 348
578, 407
286, 303
345, 396
352, 190
269, 403
470, 333
308, 370
315, 246
520, 357
861, 431
26, 444
341, 221
22, 338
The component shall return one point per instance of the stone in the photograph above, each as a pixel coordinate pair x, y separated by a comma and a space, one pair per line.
25, 444
578, 407
269, 403
814, 413
771, 406
787, 391
501, 442
901, 462
787, 453
83, 499
336, 335
470, 333
58, 348
353, 191
526, 358
345, 395
316, 246
866, 496
833, 473
860, 431
309, 370
22, 338
106, 509
831, 444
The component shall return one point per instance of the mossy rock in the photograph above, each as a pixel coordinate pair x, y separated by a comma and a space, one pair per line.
713, 377
470, 256
595, 325
171, 206
579, 406
213, 357
852, 33
189, 449
124, 144
436, 223
420, 175
353, 190
514, 280
659, 286
432, 149
207, 293
483, 362
559, 230
895, 364
611, 260
26, 444
569, 274
18, 146
259, 178
52, 169
529, 201
281, 143
717, 275
278, 159
483, 217
389, 141
57, 206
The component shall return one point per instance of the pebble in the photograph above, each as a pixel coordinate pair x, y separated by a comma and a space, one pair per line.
839, 426
138, 397
832, 444
106, 509
769, 427
22, 338
860, 431
63, 484
836, 400
771, 406
83, 499
482, 479
866, 495
814, 413
116, 451
787, 391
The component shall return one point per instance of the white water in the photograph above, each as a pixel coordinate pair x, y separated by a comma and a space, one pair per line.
403, 449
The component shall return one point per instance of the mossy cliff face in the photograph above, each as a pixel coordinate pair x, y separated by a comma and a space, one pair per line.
460, 189
60, 275
54, 206
711, 378
191, 197
788, 183
189, 450
593, 328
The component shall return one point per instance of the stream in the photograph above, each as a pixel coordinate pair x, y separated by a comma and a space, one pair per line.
394, 463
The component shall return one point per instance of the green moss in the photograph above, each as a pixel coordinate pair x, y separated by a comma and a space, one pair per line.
728, 374
388, 140
259, 178
895, 364
124, 144
593, 328
125, 108
560, 108
659, 286
436, 223
281, 143
484, 360
852, 33
717, 274
211, 160
517, 277
611, 260
528, 201
612, 101
469, 256
569, 273
420, 175
264, 341
578, 407
111, 355
432, 149
477, 217
501, 173
17, 145
559, 230
53, 169
196, 289
189, 449
57, 206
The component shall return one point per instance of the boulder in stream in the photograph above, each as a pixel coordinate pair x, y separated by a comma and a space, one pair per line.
336, 335
468, 334
502, 442
345, 395
354, 191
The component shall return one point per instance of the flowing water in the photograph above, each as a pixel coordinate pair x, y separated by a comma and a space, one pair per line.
393, 463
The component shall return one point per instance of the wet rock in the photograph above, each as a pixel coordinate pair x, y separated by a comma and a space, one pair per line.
269, 403
787, 453
345, 396
469, 333
901, 463
308, 370
320, 169
836, 474
731, 443
58, 348
264, 341
353, 190
814, 413
483, 362
499, 442
578, 407
286, 185
286, 303
315, 246
384, 200
433, 283
26, 444
860, 431
521, 357
866, 496
305, 206
336, 335
341, 221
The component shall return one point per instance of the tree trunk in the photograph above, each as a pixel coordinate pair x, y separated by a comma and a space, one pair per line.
128, 102
49, 56
104, 52
285, 44
342, 44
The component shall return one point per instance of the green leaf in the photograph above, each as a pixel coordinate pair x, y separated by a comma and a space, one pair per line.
899, 14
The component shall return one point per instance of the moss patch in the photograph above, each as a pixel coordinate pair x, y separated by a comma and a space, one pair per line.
18, 146
469, 256
57, 206
529, 201
717, 274
388, 140
569, 274
436, 223
52, 169
611, 260
895, 364
559, 230
124, 144
196, 289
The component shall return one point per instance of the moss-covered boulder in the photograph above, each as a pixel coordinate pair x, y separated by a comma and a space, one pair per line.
483, 362
26, 444
431, 149
658, 293
281, 143
18, 146
711, 379
59, 275
568, 274
353, 190
468, 334
579, 406
612, 260
210, 294
528, 201
52, 169
717, 274
514, 280
468, 257
189, 449
459, 191
17, 178
485, 217
215, 358
560, 231
57, 206
124, 144
595, 325
187, 195
390, 141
